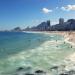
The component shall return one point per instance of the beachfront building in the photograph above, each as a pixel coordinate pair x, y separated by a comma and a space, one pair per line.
44, 26
61, 21
48, 25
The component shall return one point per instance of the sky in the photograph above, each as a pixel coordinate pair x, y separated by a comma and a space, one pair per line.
23, 13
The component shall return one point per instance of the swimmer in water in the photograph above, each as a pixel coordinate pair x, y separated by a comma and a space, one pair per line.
56, 40
71, 46
64, 42
56, 46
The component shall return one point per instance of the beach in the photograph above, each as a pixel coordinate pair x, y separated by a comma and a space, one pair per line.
69, 61
37, 50
68, 35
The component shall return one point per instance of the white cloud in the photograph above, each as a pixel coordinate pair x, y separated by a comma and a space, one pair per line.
46, 11
68, 7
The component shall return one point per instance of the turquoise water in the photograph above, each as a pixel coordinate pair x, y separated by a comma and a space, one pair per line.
37, 50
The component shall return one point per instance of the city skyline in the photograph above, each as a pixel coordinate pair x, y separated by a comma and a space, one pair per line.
23, 13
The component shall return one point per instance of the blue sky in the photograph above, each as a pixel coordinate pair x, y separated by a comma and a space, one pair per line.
25, 13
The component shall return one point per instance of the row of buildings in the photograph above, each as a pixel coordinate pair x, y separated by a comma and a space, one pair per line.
46, 26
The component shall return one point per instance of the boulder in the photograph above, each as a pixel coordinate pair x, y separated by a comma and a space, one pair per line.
20, 69
39, 71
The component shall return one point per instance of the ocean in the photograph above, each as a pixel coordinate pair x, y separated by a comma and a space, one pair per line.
35, 50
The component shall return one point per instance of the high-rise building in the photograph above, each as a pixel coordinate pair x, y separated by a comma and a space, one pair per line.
61, 21
48, 24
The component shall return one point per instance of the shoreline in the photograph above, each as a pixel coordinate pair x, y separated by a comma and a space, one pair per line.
69, 61
69, 38
68, 35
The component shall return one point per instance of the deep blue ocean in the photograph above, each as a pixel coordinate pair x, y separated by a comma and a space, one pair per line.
37, 50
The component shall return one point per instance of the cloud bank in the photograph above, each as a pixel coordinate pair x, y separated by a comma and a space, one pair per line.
68, 8
46, 10
63, 8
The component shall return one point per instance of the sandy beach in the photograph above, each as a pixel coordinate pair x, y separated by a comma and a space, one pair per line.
68, 35
70, 59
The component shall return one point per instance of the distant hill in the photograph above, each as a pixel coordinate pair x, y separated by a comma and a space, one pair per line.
17, 29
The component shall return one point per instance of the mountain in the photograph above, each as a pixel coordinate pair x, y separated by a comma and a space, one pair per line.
17, 29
